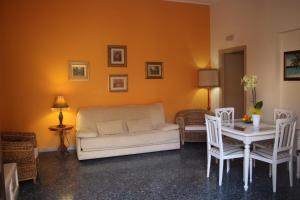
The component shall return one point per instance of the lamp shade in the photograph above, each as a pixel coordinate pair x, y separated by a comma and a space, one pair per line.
60, 102
208, 78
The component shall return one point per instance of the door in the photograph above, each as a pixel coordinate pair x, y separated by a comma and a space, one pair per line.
233, 70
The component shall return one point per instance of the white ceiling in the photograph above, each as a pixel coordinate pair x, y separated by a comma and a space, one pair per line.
202, 2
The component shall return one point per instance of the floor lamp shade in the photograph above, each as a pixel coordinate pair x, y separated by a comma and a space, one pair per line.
208, 78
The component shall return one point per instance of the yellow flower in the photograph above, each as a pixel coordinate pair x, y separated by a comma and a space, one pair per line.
255, 111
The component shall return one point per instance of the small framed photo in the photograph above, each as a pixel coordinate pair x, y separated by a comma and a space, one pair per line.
154, 70
78, 70
118, 83
292, 65
117, 56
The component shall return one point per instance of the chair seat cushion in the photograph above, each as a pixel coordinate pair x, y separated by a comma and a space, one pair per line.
228, 150
195, 128
232, 141
268, 153
264, 144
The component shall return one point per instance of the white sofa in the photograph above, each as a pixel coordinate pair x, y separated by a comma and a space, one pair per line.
114, 131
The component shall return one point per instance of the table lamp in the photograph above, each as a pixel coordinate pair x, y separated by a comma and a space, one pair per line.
60, 104
208, 78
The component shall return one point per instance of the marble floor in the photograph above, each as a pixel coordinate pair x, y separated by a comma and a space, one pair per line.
179, 174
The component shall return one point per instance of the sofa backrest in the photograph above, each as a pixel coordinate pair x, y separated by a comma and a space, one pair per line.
88, 117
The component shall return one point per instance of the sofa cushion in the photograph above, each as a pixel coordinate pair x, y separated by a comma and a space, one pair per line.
86, 134
129, 140
110, 127
138, 125
168, 127
87, 118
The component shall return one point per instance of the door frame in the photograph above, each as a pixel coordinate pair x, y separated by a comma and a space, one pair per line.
222, 52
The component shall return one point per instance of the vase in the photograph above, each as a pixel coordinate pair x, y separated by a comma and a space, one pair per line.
256, 120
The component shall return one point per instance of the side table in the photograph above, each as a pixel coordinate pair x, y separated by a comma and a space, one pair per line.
61, 130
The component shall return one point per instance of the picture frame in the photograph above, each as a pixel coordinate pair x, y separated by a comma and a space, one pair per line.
117, 55
118, 83
79, 70
154, 70
291, 65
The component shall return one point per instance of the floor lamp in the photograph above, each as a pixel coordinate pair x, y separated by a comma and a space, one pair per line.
208, 78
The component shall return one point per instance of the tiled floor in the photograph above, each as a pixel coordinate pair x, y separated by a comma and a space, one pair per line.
179, 174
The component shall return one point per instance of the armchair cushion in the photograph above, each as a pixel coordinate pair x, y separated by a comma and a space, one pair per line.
195, 128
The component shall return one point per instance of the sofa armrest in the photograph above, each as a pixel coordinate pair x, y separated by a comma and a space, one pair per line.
86, 134
168, 127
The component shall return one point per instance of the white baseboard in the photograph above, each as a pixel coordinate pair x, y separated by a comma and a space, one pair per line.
50, 149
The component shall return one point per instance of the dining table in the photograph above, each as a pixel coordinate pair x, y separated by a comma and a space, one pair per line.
248, 134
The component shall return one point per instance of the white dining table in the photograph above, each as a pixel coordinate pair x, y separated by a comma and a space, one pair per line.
248, 134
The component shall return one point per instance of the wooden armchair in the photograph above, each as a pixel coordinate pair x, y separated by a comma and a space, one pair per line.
192, 125
21, 148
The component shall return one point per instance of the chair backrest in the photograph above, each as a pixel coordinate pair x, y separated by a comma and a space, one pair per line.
214, 133
282, 114
284, 136
226, 114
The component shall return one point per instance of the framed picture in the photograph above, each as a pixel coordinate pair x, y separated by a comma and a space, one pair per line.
292, 65
118, 83
154, 70
78, 70
117, 56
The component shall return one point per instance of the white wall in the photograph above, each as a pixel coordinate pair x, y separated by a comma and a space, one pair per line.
258, 24
290, 90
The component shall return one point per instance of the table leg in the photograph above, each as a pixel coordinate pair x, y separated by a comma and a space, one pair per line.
62, 148
246, 165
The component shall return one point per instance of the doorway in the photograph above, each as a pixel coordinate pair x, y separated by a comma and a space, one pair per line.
232, 69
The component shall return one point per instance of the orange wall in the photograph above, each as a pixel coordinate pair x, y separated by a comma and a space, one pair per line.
39, 37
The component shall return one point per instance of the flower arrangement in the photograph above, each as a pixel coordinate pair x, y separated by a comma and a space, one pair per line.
250, 82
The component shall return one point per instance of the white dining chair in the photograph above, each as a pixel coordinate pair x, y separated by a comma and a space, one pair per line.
281, 152
217, 148
225, 114
227, 117
278, 114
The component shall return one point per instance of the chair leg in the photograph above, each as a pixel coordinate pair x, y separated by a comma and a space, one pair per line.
274, 176
298, 166
291, 172
251, 168
270, 170
254, 159
208, 164
221, 163
228, 165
